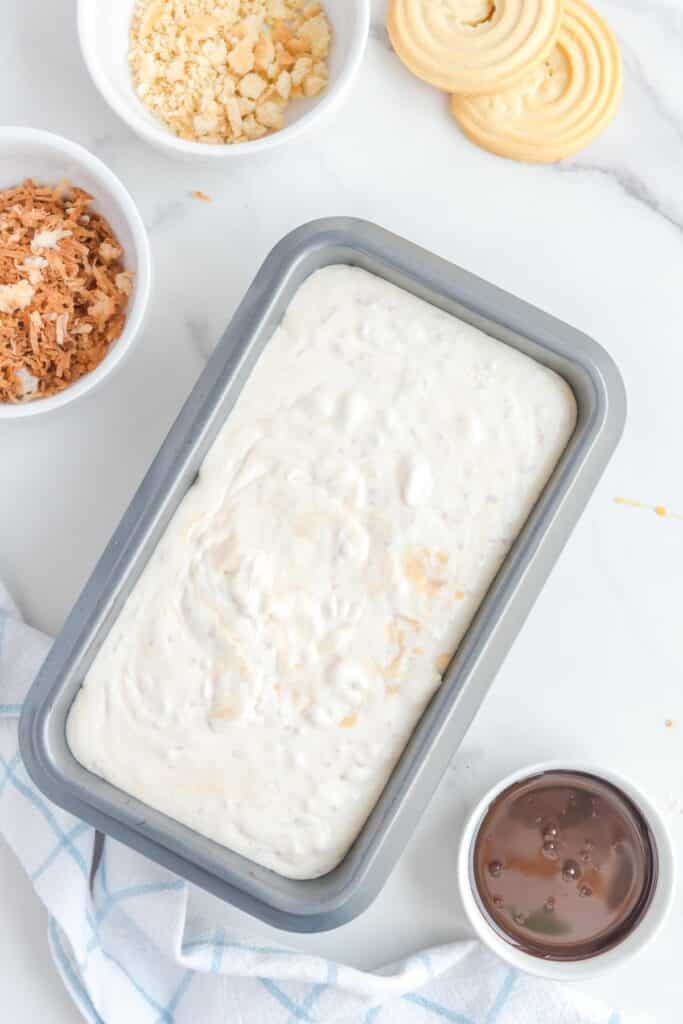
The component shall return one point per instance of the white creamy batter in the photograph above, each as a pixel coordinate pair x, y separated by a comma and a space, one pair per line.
277, 652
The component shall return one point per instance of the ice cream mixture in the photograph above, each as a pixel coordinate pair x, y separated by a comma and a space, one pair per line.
301, 609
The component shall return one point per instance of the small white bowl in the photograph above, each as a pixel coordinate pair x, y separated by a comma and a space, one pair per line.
103, 29
29, 153
644, 931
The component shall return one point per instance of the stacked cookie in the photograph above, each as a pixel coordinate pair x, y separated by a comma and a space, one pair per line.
532, 80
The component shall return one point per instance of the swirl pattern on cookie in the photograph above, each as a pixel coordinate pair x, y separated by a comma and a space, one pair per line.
561, 105
472, 46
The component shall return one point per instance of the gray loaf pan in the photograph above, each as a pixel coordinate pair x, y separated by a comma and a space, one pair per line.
324, 903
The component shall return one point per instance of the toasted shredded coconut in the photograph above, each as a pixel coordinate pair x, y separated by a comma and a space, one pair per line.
48, 239
63, 289
14, 297
217, 71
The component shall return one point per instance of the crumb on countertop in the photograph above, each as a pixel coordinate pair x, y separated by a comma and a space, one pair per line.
659, 510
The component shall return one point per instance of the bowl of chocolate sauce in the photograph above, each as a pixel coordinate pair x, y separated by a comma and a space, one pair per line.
564, 869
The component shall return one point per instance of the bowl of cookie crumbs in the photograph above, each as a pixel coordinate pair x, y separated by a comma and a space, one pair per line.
223, 79
74, 272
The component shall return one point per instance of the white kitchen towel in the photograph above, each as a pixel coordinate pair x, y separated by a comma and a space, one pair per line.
129, 953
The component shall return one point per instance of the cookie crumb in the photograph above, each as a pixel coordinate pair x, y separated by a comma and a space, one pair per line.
213, 71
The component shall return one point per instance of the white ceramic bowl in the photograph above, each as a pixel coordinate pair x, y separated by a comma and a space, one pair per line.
644, 931
47, 158
103, 28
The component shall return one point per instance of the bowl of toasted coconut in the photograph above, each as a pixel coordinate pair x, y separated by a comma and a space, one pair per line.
74, 272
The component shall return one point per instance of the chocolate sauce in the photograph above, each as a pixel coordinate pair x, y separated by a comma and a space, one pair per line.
564, 865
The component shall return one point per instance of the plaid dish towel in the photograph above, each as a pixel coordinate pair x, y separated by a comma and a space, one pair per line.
128, 951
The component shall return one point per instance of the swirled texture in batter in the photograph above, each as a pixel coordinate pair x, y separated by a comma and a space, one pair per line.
273, 659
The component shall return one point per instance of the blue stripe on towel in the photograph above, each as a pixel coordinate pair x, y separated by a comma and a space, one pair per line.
244, 946
283, 999
161, 1010
71, 979
169, 1012
7, 769
218, 948
372, 1014
11, 710
439, 1011
502, 997
316, 992
44, 809
150, 888
75, 833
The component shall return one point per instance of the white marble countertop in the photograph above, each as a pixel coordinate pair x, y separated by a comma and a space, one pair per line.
597, 241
